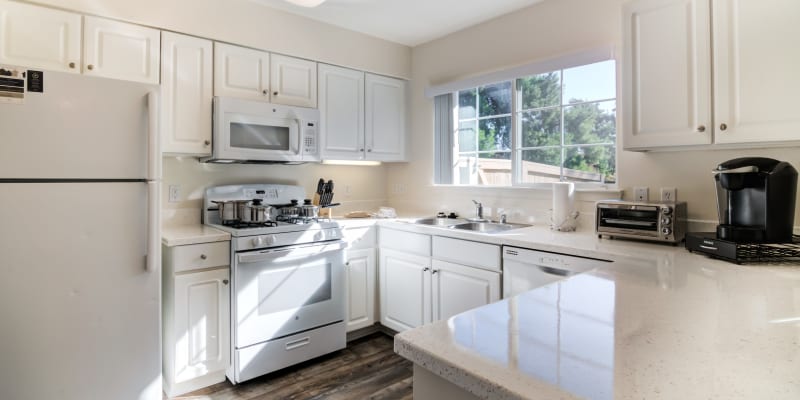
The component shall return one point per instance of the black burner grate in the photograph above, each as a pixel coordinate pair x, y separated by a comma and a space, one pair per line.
245, 225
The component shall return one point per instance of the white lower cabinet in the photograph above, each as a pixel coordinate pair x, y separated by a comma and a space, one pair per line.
405, 287
360, 268
458, 288
196, 318
416, 289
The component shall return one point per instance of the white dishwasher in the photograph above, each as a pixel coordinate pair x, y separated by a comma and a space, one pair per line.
525, 269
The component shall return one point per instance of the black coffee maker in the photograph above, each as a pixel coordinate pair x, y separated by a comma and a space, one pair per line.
755, 200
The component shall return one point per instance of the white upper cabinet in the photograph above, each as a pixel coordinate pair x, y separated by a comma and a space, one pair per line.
118, 50
241, 72
385, 128
37, 37
293, 81
756, 66
666, 73
186, 94
341, 108
673, 60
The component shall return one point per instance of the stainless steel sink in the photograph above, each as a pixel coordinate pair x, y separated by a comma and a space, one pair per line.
488, 227
443, 222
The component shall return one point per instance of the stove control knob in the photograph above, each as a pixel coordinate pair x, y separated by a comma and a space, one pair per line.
666, 210
319, 236
666, 231
270, 240
333, 234
666, 221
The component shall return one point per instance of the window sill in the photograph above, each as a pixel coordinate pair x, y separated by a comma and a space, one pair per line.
605, 189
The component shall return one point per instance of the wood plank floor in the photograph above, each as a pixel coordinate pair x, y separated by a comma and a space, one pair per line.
367, 369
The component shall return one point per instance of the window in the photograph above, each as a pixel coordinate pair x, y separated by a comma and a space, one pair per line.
548, 127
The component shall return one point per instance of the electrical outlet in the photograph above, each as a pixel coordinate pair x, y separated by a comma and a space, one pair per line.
347, 190
641, 193
174, 193
669, 194
398, 188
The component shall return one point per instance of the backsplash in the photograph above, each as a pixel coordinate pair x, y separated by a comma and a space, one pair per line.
356, 187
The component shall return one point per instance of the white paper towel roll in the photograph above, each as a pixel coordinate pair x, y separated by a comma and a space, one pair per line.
563, 202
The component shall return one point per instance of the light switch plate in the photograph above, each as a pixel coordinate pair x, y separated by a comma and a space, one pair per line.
641, 193
174, 193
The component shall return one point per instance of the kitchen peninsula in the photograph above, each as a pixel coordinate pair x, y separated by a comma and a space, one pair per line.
673, 325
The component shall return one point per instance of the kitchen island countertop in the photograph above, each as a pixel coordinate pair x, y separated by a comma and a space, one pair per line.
658, 323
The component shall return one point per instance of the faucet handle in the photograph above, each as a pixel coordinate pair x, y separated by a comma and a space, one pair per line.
477, 203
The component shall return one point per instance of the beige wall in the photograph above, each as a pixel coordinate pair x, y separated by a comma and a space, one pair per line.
541, 31
249, 24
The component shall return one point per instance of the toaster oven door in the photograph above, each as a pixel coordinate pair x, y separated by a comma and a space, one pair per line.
634, 220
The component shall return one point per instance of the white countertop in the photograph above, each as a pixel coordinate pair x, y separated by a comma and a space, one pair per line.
658, 323
191, 234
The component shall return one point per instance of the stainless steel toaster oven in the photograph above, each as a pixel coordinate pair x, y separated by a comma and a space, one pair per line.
654, 221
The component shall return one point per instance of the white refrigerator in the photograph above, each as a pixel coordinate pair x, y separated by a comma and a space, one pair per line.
79, 242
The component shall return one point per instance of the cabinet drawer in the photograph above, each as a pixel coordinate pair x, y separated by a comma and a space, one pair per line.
415, 243
198, 256
361, 238
476, 254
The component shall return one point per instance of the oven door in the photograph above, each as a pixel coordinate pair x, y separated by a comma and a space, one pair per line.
288, 290
255, 131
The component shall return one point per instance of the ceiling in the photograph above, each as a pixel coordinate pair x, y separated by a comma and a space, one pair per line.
408, 22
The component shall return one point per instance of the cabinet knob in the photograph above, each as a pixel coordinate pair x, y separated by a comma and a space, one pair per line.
90, 67
426, 269
701, 128
347, 263
275, 93
360, 149
722, 127
72, 65
369, 150
434, 271
207, 142
203, 256
224, 281
265, 92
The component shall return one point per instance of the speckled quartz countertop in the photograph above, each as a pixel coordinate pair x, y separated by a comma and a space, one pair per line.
182, 235
658, 323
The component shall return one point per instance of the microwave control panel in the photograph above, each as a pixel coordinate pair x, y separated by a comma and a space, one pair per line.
310, 138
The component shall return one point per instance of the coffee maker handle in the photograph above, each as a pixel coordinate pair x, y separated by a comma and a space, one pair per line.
741, 170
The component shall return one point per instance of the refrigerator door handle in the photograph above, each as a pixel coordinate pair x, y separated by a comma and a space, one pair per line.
153, 255
153, 137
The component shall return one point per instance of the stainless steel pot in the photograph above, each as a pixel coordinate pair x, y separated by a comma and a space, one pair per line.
290, 211
255, 212
308, 210
229, 211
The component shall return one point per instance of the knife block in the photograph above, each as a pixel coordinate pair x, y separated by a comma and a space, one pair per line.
323, 212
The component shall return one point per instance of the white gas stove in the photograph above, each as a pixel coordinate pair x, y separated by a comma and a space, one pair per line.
287, 283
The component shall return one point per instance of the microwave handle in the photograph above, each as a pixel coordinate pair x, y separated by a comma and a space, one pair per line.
296, 140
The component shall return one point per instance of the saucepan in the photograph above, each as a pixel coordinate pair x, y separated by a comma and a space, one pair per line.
229, 211
308, 210
256, 212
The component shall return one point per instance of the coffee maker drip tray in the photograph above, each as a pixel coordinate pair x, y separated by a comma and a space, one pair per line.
744, 253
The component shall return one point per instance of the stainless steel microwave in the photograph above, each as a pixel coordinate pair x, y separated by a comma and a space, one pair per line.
655, 221
247, 131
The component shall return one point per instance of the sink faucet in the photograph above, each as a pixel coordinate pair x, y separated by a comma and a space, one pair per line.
503, 218
478, 212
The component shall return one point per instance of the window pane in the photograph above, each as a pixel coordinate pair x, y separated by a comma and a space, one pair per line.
590, 82
541, 165
590, 164
590, 123
495, 99
494, 168
466, 104
465, 171
495, 134
543, 90
541, 128
467, 136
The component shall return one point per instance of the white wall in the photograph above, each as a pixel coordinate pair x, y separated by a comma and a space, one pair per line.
541, 31
249, 24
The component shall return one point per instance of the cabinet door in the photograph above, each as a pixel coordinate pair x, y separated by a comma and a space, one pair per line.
666, 73
360, 268
293, 81
186, 94
117, 50
385, 110
756, 63
341, 112
241, 72
202, 323
405, 282
38, 37
458, 288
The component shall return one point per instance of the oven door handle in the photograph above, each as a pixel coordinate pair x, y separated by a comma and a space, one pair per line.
301, 251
